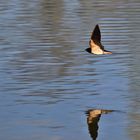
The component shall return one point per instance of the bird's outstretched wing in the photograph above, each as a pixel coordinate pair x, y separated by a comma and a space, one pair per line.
96, 36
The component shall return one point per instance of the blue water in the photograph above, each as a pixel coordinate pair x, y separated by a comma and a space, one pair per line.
47, 79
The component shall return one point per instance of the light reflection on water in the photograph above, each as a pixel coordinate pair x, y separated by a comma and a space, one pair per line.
48, 80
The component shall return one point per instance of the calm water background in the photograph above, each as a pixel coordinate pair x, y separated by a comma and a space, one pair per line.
47, 79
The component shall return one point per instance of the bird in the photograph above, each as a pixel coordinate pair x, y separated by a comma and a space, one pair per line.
95, 44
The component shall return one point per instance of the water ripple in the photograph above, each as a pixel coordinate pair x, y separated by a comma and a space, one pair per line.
46, 74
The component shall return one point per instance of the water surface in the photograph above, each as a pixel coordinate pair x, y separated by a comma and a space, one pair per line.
48, 81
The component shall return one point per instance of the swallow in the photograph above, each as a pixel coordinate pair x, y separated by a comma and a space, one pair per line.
95, 44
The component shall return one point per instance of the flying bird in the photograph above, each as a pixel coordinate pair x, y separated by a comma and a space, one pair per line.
95, 44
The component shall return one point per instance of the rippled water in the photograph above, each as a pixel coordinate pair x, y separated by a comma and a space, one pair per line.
48, 81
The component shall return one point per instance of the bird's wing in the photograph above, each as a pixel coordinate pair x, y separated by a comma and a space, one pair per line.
96, 36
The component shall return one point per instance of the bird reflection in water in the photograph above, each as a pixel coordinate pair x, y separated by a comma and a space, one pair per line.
93, 117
